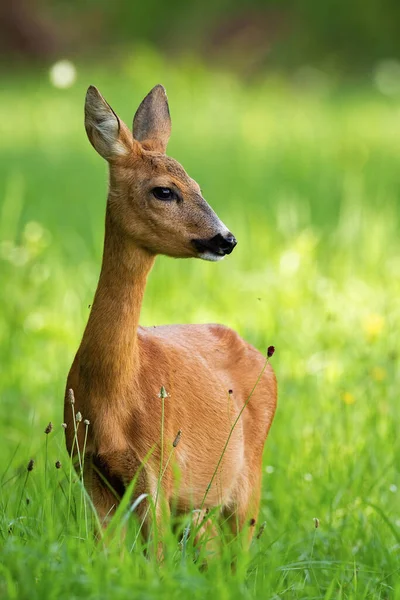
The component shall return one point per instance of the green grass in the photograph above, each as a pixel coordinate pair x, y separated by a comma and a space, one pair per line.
309, 184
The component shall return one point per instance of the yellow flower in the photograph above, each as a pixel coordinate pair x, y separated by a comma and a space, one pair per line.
378, 373
348, 398
373, 325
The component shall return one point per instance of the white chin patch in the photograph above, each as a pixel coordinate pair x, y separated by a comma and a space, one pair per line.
211, 256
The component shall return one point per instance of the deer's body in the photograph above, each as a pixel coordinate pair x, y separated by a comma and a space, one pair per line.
208, 371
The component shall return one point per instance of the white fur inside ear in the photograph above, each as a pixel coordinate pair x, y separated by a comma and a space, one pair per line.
107, 126
103, 128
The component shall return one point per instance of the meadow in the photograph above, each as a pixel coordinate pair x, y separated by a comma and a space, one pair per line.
308, 179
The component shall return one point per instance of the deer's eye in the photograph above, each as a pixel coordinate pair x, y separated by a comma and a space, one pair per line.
162, 193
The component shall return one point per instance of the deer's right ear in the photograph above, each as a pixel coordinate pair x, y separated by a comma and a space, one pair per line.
152, 121
105, 131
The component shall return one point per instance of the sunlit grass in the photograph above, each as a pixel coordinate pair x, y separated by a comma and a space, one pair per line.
310, 186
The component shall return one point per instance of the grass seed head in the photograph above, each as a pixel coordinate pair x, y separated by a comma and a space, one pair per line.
270, 351
64, 425
58, 464
163, 393
86, 422
316, 522
177, 439
49, 428
78, 417
71, 396
31, 464
261, 530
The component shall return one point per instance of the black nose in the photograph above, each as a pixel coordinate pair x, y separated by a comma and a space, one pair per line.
219, 244
225, 244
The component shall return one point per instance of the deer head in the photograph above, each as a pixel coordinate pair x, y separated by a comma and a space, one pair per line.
152, 200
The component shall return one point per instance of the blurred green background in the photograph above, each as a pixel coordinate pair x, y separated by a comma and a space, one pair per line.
288, 115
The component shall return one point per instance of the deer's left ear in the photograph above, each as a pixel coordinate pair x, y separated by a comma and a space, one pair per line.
152, 121
106, 132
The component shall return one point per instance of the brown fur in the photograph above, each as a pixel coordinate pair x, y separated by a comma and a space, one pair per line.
207, 370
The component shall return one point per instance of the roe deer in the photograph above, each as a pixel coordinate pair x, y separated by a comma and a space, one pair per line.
208, 371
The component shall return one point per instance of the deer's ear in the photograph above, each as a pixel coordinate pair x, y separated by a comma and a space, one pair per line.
152, 121
106, 133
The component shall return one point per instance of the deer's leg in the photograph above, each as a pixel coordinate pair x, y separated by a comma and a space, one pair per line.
104, 493
106, 489
204, 533
204, 528
152, 511
243, 513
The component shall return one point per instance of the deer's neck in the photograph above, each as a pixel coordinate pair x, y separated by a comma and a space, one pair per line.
109, 350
